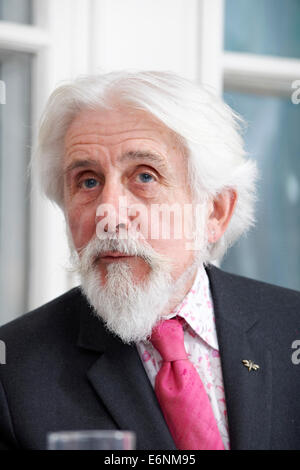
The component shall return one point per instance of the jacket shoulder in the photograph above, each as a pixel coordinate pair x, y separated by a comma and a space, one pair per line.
54, 317
252, 286
278, 307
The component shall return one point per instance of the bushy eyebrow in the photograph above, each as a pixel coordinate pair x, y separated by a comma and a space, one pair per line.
141, 155
132, 155
82, 163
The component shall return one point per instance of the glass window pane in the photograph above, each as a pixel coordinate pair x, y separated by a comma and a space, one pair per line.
270, 27
271, 250
17, 11
15, 132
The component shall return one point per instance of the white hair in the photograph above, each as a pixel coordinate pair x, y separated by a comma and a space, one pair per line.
208, 129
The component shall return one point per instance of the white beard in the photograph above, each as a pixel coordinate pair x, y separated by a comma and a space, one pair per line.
129, 310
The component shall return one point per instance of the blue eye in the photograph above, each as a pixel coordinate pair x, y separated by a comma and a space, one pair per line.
145, 177
90, 183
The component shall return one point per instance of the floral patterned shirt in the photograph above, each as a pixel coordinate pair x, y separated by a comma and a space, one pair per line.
201, 344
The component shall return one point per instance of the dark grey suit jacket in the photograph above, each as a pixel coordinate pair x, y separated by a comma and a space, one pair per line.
64, 371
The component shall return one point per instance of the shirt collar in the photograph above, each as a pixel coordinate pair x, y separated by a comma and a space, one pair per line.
197, 310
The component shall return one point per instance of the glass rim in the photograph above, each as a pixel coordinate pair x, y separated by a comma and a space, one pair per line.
94, 433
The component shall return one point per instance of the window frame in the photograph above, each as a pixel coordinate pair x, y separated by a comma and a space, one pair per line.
255, 73
240, 71
259, 74
53, 62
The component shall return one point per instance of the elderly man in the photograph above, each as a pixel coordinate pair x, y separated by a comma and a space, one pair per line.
150, 172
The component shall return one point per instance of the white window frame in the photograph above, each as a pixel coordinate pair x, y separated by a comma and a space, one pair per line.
257, 73
253, 73
241, 72
248, 73
53, 62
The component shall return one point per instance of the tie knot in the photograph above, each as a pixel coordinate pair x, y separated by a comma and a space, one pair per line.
167, 337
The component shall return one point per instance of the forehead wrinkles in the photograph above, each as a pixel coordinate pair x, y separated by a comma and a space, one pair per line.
104, 127
141, 139
81, 137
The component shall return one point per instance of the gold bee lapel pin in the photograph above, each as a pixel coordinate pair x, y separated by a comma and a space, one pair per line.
250, 365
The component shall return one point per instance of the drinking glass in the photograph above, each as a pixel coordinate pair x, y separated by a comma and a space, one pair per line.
91, 440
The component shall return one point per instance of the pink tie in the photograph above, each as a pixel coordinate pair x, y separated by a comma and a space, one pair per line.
181, 394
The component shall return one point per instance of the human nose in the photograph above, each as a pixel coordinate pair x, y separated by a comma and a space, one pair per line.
111, 213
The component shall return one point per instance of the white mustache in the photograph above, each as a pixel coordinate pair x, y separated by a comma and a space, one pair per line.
90, 254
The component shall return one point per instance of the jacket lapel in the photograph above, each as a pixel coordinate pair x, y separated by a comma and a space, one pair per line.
121, 383
248, 393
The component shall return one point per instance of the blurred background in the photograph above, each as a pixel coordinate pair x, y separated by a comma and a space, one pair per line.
248, 51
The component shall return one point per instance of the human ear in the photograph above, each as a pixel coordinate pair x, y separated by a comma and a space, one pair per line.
220, 212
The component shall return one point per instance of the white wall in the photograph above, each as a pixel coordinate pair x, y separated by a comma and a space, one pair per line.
148, 34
